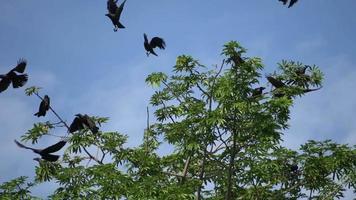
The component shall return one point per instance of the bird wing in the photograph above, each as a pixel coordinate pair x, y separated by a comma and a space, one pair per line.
54, 148
157, 42
111, 6
19, 80
50, 157
76, 124
21, 66
292, 2
119, 10
4, 83
276, 83
23, 146
89, 122
145, 37
46, 100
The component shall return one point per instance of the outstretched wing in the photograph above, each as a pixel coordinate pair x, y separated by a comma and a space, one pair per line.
23, 146
119, 10
19, 80
4, 83
50, 157
21, 66
145, 37
158, 42
54, 148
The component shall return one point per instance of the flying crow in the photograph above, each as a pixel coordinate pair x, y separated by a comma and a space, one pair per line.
83, 121
46, 152
155, 42
17, 80
115, 13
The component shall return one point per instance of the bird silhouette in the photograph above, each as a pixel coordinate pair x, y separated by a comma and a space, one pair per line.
275, 82
17, 80
155, 42
44, 107
257, 91
115, 13
46, 152
83, 121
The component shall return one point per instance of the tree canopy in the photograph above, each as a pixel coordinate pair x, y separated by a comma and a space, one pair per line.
226, 141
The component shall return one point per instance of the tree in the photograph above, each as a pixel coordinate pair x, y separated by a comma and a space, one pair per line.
226, 141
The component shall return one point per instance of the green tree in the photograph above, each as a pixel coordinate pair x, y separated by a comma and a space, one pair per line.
226, 142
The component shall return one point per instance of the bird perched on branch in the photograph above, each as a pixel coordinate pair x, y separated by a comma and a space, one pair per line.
83, 121
17, 80
115, 13
291, 3
275, 82
44, 107
257, 91
46, 152
155, 42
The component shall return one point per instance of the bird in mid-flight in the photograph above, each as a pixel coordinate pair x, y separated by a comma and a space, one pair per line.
150, 45
44, 107
17, 80
115, 13
46, 152
83, 121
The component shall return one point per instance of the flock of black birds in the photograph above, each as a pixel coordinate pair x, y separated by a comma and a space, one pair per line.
18, 78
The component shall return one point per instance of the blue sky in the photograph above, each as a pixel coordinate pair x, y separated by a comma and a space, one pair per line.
85, 67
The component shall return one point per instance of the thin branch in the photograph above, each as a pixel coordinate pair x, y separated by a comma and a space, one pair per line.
66, 125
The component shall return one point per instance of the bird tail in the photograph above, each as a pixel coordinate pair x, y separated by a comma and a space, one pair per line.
21, 145
119, 25
38, 114
19, 80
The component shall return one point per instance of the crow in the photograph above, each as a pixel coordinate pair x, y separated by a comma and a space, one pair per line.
155, 42
17, 80
257, 91
275, 82
115, 13
44, 107
46, 152
83, 121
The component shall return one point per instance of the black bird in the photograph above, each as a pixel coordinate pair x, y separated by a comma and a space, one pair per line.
276, 83
115, 13
44, 107
83, 121
155, 42
17, 80
46, 152
257, 91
